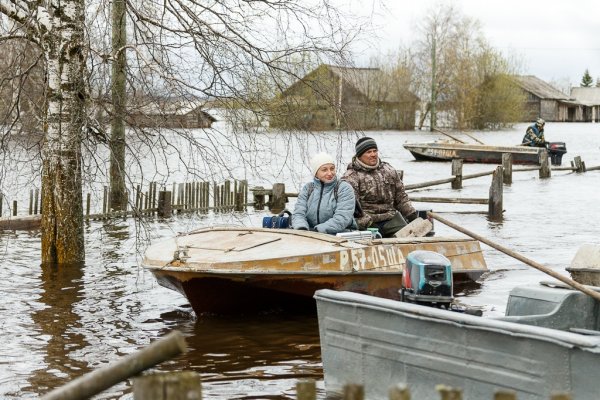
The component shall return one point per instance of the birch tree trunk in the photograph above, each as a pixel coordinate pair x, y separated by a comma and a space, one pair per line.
62, 209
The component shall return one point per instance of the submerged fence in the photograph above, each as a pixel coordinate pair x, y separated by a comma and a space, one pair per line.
200, 196
232, 195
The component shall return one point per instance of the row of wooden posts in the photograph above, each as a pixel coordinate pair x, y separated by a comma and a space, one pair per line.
187, 385
180, 385
233, 195
277, 196
184, 197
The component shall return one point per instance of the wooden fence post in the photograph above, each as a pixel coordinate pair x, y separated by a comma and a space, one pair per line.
306, 390
507, 164
240, 191
221, 197
495, 200
544, 164
457, 167
448, 393
104, 200
14, 212
259, 199
174, 196
30, 201
178, 385
578, 164
1, 201
245, 193
353, 391
278, 199
227, 195
399, 392
560, 396
206, 196
37, 200
505, 395
164, 204
88, 199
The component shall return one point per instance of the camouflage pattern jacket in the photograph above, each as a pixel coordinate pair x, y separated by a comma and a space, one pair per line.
379, 191
534, 136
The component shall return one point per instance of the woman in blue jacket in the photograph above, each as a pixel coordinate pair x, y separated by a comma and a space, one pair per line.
327, 203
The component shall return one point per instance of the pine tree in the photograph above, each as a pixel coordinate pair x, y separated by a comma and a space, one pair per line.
587, 79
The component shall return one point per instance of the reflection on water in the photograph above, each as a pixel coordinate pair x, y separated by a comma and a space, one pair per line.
60, 324
241, 355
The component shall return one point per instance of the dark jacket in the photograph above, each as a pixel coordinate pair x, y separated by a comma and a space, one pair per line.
379, 191
534, 136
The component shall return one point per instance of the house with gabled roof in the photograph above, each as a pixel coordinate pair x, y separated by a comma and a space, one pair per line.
589, 97
168, 112
335, 97
547, 102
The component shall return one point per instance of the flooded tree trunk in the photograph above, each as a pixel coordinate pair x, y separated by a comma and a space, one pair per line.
118, 192
62, 208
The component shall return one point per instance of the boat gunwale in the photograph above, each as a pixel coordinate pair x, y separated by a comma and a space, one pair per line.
415, 311
216, 267
308, 273
327, 237
475, 147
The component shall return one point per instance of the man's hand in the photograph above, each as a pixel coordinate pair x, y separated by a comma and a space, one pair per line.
412, 216
364, 221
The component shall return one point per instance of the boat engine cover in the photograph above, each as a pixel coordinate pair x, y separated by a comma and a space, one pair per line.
427, 279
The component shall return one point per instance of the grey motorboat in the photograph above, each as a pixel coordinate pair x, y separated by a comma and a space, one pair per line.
547, 341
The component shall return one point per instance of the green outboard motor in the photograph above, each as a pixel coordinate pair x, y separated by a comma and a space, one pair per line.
427, 279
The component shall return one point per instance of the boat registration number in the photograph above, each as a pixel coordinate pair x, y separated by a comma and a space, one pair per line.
378, 257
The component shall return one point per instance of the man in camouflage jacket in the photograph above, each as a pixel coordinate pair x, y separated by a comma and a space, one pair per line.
382, 201
534, 135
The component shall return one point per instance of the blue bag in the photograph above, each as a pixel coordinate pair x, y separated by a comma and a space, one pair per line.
280, 221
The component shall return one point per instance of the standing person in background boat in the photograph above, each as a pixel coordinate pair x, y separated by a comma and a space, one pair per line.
379, 190
326, 204
534, 135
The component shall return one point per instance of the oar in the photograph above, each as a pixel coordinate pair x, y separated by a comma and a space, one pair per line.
449, 135
464, 133
519, 257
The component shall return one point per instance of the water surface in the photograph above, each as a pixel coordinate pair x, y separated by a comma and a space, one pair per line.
60, 324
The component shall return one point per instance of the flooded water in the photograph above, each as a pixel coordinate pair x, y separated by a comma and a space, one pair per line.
59, 324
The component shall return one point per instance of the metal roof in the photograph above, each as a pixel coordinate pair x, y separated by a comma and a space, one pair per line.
589, 96
540, 88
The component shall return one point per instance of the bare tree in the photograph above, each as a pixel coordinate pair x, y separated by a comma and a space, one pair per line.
453, 60
223, 51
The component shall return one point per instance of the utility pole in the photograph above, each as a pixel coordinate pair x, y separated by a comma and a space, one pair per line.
433, 86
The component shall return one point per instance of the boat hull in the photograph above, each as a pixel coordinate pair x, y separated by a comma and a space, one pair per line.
381, 343
523, 155
240, 270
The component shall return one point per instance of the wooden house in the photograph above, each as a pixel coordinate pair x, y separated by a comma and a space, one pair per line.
168, 113
547, 102
334, 97
589, 97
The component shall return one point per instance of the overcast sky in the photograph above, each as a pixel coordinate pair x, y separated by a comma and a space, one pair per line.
556, 40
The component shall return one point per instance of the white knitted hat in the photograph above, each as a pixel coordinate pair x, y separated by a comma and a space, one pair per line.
318, 160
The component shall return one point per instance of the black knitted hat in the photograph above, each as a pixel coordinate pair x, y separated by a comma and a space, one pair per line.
363, 144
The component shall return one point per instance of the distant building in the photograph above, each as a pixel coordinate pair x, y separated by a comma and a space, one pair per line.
547, 102
334, 97
168, 113
590, 98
